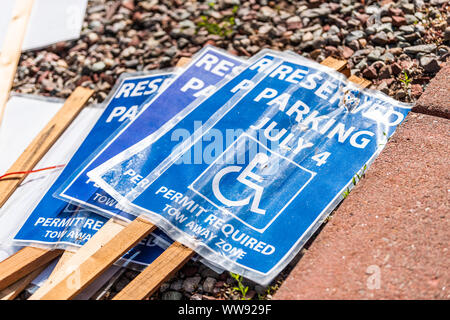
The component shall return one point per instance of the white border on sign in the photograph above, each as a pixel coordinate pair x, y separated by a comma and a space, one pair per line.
261, 230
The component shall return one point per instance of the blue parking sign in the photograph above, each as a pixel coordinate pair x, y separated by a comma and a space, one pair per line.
57, 223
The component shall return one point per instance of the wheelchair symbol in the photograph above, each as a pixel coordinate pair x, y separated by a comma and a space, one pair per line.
259, 159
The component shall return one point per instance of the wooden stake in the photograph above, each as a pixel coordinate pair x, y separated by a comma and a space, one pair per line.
75, 280
171, 260
150, 279
29, 259
74, 260
15, 289
43, 142
65, 257
12, 48
162, 269
338, 65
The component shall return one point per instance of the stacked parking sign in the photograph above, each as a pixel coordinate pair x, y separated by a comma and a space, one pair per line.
256, 156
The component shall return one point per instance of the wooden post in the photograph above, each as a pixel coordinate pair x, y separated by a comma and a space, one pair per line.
73, 260
24, 262
12, 48
75, 280
16, 288
105, 234
29, 259
171, 260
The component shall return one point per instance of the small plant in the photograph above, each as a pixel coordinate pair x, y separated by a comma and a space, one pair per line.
406, 83
346, 193
386, 139
269, 291
240, 286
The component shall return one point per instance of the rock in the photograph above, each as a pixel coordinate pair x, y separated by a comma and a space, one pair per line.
294, 23
400, 95
232, 2
172, 295
333, 40
197, 297
370, 30
425, 48
180, 14
385, 72
387, 57
93, 37
118, 26
266, 13
190, 271
410, 19
386, 19
383, 87
318, 43
354, 23
447, 34
408, 7
396, 51
308, 36
164, 287
347, 52
370, 73
354, 45
207, 272
361, 65
398, 21
265, 29
296, 38
209, 284
190, 284
386, 27
314, 13
407, 29
176, 285
411, 37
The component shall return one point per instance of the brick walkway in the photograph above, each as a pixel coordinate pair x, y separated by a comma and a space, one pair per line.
389, 239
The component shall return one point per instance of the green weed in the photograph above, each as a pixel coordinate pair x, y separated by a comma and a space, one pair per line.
223, 28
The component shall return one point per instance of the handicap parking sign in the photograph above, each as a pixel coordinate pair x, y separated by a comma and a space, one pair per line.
247, 191
250, 210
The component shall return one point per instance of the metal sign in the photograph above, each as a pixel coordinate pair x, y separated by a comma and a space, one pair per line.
54, 222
